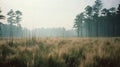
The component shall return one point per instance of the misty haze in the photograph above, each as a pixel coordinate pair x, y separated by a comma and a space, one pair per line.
59, 33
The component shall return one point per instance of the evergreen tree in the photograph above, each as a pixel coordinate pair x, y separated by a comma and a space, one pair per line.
96, 10
88, 19
79, 23
14, 18
1, 17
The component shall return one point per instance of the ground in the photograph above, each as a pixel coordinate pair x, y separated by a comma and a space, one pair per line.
60, 52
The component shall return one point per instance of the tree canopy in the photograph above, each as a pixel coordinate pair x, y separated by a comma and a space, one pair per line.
97, 21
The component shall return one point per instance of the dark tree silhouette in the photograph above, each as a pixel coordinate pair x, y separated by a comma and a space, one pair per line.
96, 10
98, 21
118, 10
88, 19
91, 17
79, 23
14, 18
118, 20
1, 17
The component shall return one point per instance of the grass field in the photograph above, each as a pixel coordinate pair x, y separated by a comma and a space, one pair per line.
60, 52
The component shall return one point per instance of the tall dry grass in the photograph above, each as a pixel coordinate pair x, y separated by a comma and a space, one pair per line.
60, 52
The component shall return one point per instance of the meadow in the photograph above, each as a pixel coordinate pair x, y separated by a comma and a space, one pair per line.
60, 52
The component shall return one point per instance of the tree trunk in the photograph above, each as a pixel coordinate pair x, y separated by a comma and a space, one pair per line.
78, 33
11, 33
81, 32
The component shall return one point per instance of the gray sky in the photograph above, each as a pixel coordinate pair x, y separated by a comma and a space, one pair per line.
50, 13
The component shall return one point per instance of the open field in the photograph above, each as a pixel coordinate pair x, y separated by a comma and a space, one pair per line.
60, 52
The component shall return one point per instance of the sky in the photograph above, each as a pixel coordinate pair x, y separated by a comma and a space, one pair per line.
50, 13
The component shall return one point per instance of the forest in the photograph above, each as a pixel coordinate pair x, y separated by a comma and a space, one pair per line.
14, 29
94, 21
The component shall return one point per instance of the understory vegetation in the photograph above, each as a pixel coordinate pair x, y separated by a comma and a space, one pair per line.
60, 52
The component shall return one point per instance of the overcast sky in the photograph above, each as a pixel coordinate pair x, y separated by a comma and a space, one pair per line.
50, 13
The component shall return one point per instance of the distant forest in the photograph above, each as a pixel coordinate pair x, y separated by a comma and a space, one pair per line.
97, 21
94, 21
14, 29
39, 32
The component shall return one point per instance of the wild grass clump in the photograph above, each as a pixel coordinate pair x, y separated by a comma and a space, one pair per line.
60, 52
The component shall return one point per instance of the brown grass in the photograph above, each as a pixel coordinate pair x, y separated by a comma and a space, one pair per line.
60, 52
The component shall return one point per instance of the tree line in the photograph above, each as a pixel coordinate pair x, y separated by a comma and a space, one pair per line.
14, 29
96, 21
21, 32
